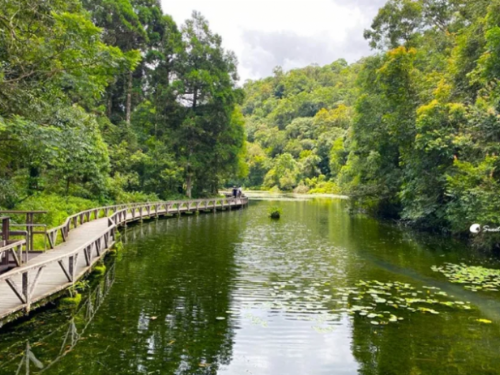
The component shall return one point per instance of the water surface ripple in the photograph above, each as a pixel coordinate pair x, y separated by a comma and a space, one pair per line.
237, 293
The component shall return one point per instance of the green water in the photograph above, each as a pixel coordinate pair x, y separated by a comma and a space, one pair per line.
237, 293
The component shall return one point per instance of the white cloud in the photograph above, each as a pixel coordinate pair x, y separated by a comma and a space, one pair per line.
291, 33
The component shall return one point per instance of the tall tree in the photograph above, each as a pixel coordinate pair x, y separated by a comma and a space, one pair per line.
206, 81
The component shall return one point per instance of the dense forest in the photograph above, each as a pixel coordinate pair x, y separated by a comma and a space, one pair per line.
411, 132
111, 101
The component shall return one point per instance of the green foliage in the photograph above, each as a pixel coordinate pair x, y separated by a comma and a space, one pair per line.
99, 270
292, 121
411, 133
275, 212
70, 302
58, 207
284, 173
109, 100
474, 278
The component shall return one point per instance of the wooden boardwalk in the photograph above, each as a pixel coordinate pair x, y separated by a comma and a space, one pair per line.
86, 237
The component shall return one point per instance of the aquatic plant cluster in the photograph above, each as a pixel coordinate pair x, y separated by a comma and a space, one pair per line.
275, 212
473, 278
379, 301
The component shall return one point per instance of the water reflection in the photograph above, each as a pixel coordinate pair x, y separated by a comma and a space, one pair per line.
236, 293
41, 353
174, 285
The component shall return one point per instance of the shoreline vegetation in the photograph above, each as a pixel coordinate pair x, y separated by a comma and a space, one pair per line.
410, 133
263, 193
112, 101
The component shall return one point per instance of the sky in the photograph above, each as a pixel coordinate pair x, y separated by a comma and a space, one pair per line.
288, 33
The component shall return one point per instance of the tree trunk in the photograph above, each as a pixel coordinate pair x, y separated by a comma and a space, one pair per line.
195, 98
34, 176
110, 106
189, 175
129, 99
189, 185
68, 182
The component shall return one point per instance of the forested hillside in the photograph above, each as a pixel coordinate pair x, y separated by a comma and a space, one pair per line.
110, 100
412, 132
294, 122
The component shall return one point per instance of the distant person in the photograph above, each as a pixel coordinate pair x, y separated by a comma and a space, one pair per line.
240, 192
235, 191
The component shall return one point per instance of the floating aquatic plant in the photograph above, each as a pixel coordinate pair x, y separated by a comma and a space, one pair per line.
380, 303
484, 321
370, 297
474, 278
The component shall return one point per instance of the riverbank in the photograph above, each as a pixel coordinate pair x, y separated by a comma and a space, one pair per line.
269, 195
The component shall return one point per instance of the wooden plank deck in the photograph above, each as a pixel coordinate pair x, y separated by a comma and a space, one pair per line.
87, 237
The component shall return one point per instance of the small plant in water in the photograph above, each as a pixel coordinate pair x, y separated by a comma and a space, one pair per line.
474, 278
380, 302
275, 212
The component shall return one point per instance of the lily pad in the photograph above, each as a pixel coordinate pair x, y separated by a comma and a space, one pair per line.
484, 321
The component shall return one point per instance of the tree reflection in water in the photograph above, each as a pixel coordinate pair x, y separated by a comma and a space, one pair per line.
45, 348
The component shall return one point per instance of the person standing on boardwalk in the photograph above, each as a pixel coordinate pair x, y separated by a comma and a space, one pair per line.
235, 191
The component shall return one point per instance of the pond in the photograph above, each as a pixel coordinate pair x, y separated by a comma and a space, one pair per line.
316, 292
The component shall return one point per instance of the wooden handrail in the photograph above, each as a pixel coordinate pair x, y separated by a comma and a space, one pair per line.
56, 259
94, 249
12, 245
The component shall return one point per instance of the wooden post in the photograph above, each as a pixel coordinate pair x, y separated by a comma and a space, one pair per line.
29, 229
5, 239
25, 290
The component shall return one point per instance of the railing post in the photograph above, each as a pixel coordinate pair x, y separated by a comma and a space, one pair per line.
5, 238
25, 290
72, 267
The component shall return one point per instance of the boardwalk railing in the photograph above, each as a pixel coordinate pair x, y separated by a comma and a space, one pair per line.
74, 221
16, 249
138, 209
23, 281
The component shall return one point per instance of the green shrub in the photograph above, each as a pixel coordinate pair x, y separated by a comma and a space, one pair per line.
70, 302
99, 270
58, 207
275, 189
301, 189
275, 212
134, 197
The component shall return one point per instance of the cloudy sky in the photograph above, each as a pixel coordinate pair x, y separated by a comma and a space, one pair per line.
289, 33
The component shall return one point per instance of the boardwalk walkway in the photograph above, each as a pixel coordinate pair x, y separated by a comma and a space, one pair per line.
87, 236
